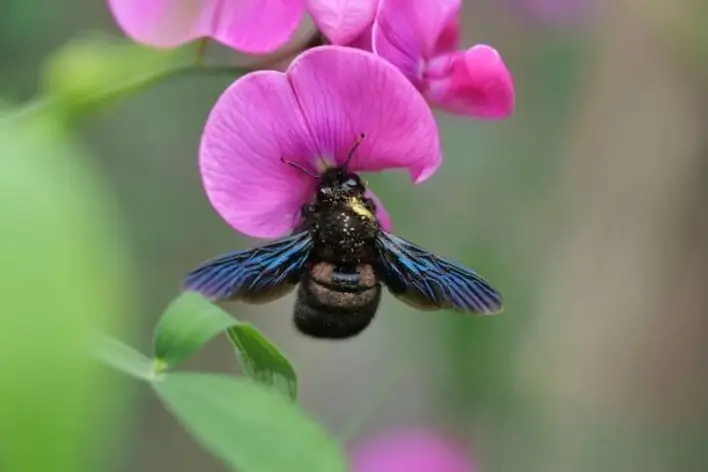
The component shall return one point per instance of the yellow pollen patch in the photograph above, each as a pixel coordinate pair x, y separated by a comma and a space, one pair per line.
358, 207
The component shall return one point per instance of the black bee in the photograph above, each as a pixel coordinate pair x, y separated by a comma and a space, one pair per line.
340, 256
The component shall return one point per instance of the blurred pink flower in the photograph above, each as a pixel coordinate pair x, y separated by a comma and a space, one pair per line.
343, 22
421, 39
252, 26
410, 451
310, 116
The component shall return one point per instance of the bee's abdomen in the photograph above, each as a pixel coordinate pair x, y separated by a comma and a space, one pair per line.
337, 302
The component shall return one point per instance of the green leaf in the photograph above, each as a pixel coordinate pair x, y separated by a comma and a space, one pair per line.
189, 322
66, 276
249, 427
124, 358
262, 360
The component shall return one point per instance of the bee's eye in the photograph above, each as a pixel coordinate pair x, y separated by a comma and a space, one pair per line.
350, 183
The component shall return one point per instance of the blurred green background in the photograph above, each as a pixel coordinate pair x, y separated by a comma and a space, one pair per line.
588, 210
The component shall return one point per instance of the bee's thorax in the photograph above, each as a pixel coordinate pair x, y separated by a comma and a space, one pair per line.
342, 219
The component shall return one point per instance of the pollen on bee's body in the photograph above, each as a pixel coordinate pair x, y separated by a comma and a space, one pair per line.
357, 206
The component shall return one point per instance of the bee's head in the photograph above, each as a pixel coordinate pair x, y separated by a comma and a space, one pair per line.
337, 182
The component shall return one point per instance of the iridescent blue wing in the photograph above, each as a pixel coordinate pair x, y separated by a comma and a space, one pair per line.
427, 282
256, 275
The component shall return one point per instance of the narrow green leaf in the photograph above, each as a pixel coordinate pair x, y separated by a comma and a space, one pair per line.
249, 427
262, 360
124, 358
189, 322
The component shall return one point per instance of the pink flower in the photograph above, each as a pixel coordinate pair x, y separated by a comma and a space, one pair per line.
310, 116
410, 451
421, 38
252, 26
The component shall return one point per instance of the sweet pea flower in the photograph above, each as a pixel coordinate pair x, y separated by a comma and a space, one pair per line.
421, 38
271, 133
251, 26
410, 451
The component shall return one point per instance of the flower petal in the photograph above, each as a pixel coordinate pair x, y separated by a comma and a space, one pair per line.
406, 33
449, 37
252, 26
345, 92
363, 41
474, 83
158, 23
410, 451
342, 21
381, 213
254, 124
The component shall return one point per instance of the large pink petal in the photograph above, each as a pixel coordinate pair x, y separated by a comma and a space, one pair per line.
254, 124
253, 26
346, 92
406, 32
342, 21
474, 83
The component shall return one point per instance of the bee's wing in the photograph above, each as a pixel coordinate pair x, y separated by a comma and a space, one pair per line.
425, 281
255, 275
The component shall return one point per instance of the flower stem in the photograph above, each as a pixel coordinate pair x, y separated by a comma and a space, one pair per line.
199, 67
132, 87
201, 49
191, 67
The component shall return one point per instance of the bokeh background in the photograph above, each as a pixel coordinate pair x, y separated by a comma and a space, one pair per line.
588, 209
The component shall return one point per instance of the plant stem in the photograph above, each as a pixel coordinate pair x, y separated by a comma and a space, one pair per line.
201, 49
192, 67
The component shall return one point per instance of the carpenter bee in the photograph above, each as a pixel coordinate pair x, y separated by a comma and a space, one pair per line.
339, 256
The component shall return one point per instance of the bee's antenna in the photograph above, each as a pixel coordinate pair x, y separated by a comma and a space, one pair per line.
359, 139
301, 168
